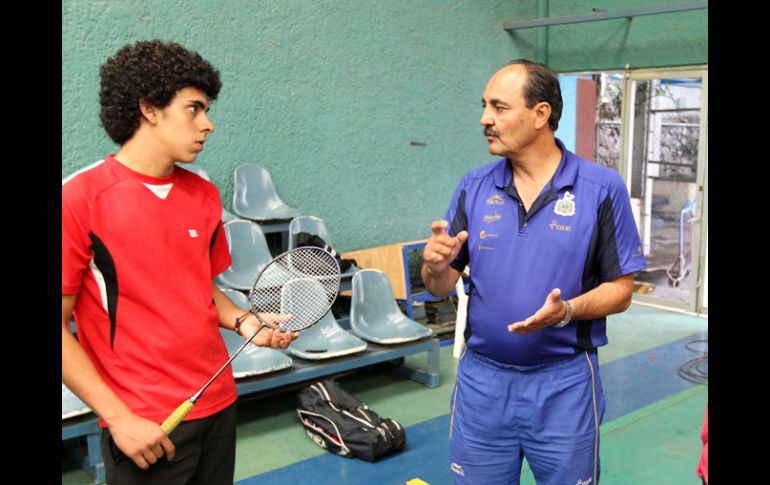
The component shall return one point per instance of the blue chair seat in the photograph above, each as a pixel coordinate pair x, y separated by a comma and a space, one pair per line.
374, 313
252, 360
71, 405
324, 340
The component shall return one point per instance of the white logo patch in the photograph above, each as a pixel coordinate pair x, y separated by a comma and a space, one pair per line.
193, 233
457, 469
584, 482
566, 205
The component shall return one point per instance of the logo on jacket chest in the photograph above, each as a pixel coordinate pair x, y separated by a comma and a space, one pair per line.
496, 199
566, 205
494, 217
555, 226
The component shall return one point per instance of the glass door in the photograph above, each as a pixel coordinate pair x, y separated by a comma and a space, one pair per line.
664, 157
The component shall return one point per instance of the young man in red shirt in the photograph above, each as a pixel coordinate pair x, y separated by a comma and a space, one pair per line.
142, 241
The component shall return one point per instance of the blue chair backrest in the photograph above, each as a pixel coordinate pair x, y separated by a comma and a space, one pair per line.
310, 225
248, 247
373, 297
254, 188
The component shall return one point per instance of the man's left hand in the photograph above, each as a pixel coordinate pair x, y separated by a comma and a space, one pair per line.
552, 311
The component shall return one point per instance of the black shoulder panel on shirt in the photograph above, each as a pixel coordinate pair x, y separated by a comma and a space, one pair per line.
601, 263
460, 223
607, 255
106, 265
214, 238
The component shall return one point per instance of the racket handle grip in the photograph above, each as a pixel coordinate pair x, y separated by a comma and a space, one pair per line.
177, 416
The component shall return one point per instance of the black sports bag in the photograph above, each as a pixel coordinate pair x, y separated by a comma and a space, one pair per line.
335, 420
307, 239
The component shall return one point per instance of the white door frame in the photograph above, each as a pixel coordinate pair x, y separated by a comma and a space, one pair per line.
698, 272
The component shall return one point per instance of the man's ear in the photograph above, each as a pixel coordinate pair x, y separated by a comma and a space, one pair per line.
149, 112
542, 114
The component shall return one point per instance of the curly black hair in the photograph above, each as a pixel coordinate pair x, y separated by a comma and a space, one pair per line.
153, 71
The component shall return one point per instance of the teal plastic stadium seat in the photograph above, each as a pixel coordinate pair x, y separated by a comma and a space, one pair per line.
71, 405
314, 225
374, 313
252, 360
324, 340
249, 253
226, 216
303, 296
255, 196
311, 225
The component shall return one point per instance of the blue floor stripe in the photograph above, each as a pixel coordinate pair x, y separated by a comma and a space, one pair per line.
629, 383
640, 379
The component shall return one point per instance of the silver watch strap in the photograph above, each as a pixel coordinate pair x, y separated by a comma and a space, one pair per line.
567, 317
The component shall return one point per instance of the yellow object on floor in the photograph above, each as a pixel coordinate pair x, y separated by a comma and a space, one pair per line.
416, 481
643, 288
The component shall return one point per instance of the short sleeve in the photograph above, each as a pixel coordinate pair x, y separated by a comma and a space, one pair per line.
75, 240
620, 249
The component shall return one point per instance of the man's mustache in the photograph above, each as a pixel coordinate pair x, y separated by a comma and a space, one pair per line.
488, 131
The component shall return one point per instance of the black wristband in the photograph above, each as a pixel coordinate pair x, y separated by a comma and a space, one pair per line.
239, 321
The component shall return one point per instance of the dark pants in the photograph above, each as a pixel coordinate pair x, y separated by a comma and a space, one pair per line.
205, 455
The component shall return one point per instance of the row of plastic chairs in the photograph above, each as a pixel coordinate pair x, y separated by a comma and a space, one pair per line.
374, 317
250, 253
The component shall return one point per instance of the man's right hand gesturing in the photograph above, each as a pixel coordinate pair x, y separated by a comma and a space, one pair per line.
440, 250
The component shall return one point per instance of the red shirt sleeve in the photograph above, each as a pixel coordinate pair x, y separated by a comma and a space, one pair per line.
75, 240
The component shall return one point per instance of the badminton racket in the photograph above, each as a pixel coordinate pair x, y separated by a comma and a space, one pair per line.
294, 291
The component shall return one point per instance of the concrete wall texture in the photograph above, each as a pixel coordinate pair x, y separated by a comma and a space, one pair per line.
330, 95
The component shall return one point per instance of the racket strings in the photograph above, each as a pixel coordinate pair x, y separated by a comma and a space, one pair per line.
297, 288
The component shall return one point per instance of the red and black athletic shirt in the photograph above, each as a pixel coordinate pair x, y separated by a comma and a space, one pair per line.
140, 253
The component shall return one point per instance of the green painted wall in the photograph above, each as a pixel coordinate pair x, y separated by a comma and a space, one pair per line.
329, 94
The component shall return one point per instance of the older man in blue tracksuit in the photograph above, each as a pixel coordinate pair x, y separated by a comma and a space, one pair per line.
551, 244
